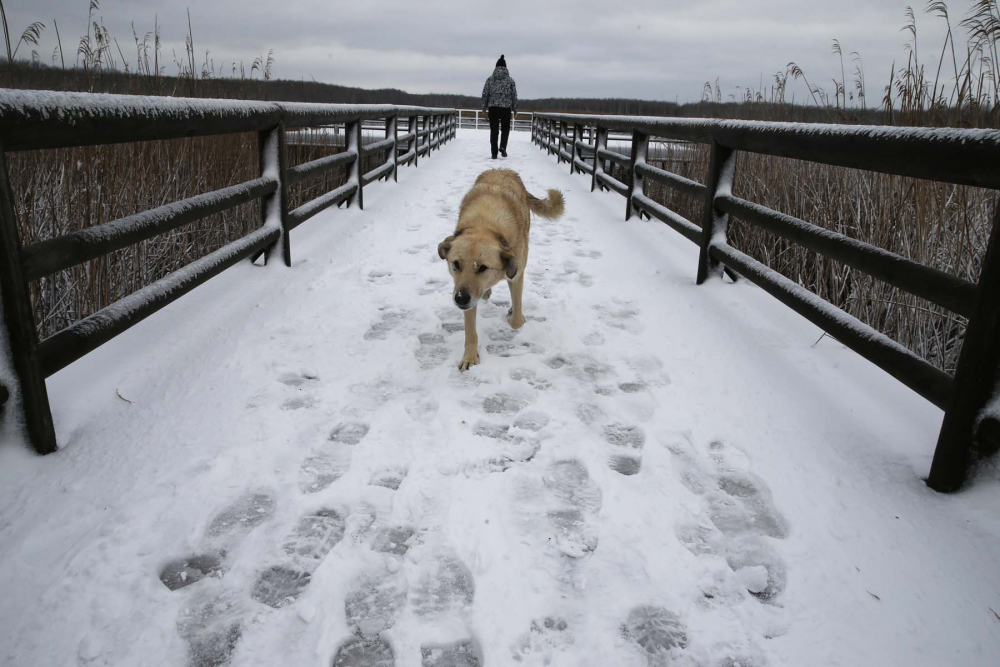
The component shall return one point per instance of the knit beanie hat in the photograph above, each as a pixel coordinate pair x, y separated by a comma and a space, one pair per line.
501, 62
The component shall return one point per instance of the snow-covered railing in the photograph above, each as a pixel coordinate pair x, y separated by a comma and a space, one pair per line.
31, 120
965, 157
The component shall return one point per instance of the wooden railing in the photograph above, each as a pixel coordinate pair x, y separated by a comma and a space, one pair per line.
31, 120
966, 157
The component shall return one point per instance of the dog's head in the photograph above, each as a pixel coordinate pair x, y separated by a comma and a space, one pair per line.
477, 260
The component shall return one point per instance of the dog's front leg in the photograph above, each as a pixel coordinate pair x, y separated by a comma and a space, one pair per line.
515, 316
471, 356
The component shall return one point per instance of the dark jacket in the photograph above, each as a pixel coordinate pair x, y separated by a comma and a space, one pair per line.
500, 91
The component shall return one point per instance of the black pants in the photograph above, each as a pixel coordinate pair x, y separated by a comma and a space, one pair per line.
499, 116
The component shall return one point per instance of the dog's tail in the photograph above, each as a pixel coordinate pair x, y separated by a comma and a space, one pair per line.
550, 208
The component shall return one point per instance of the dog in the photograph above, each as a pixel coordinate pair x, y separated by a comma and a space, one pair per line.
490, 244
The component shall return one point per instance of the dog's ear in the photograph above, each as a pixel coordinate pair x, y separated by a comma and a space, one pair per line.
509, 263
444, 247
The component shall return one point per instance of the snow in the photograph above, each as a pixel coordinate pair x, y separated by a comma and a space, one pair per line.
649, 471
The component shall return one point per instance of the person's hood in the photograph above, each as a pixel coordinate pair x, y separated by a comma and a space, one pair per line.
501, 73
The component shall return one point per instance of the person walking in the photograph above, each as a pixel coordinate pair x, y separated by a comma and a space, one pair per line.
500, 104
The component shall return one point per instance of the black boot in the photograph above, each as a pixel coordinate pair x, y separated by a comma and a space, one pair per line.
503, 151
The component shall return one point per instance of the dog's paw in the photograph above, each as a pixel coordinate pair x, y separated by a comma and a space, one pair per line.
469, 359
515, 321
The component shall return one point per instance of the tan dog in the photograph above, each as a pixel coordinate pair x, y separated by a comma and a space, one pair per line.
491, 243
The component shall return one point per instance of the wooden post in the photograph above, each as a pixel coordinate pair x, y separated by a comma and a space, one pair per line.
959, 446
640, 147
415, 126
271, 158
600, 143
19, 321
411, 125
393, 157
577, 136
352, 130
715, 223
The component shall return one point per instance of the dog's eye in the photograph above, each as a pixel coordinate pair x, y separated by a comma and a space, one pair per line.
458, 267
483, 268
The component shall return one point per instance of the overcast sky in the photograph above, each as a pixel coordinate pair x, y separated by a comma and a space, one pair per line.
656, 49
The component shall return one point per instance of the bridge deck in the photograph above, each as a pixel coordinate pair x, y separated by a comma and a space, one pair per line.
615, 478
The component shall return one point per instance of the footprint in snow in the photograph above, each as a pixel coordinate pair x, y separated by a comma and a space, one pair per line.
361, 652
658, 632
325, 465
547, 637
443, 586
740, 512
313, 538
374, 601
627, 442
388, 320
465, 653
211, 625
432, 351
224, 533
576, 502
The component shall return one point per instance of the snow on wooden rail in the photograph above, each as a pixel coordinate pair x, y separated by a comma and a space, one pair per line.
965, 157
31, 120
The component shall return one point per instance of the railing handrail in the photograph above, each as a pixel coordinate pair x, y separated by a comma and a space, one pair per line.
33, 119
960, 156
951, 155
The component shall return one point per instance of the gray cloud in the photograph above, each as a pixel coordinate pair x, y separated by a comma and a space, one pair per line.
584, 48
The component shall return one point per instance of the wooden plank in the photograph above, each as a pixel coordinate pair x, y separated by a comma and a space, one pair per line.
46, 257
679, 223
583, 167
391, 130
377, 146
378, 172
613, 184
944, 289
617, 158
672, 180
63, 348
311, 208
890, 356
976, 376
19, 321
301, 172
715, 222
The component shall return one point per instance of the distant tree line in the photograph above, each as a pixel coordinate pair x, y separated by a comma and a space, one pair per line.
36, 75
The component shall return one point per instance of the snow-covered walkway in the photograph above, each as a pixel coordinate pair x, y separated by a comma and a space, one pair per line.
649, 472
